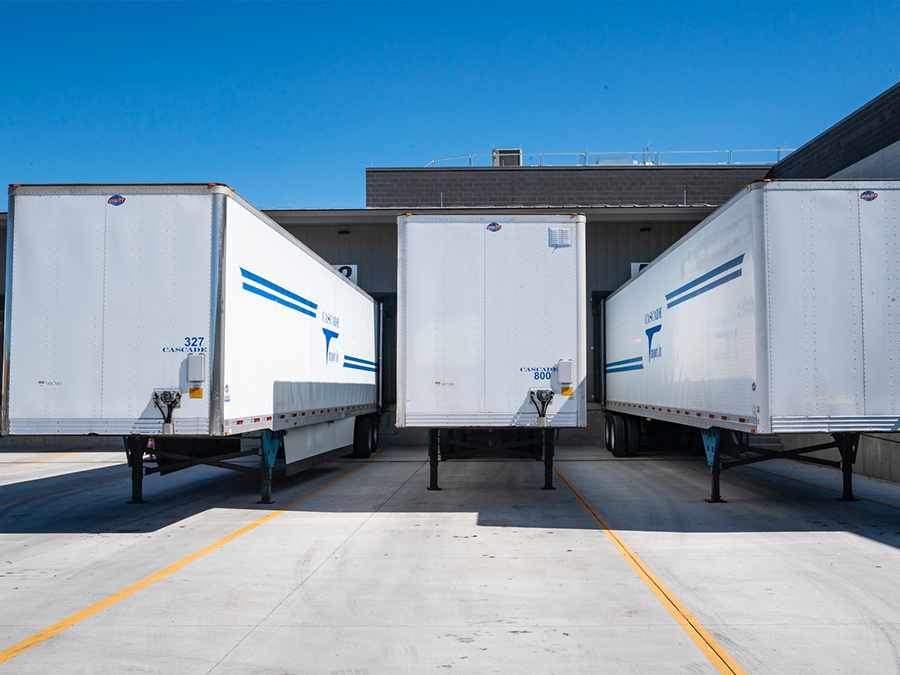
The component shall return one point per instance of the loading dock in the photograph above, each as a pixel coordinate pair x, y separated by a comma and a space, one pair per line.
359, 569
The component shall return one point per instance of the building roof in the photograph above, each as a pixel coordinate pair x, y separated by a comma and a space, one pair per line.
871, 128
559, 186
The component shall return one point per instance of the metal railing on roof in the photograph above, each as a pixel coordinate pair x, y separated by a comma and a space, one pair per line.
646, 157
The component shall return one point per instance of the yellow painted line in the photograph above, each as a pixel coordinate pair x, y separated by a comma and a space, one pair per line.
721, 660
822, 487
78, 617
40, 461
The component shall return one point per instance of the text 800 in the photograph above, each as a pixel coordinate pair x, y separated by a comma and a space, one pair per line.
543, 375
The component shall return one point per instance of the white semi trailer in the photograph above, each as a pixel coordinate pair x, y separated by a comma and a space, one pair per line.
780, 313
491, 331
182, 313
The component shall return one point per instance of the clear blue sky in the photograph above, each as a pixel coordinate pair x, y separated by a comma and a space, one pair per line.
289, 102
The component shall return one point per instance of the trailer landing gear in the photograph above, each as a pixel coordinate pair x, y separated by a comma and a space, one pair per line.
846, 443
271, 441
134, 453
446, 444
711, 442
433, 458
547, 438
176, 453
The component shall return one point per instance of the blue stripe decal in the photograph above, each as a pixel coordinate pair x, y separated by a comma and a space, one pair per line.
718, 282
640, 366
275, 287
362, 361
622, 363
356, 367
280, 301
706, 277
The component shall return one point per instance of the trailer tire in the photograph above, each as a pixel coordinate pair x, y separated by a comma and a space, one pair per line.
617, 441
362, 437
632, 435
607, 430
376, 435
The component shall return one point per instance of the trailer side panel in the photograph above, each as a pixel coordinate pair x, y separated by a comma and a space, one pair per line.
681, 338
299, 339
776, 314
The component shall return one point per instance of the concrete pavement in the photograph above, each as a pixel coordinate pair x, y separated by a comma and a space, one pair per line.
375, 574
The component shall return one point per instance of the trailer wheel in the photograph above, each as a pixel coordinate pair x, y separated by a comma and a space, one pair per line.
362, 437
632, 435
607, 430
617, 441
375, 432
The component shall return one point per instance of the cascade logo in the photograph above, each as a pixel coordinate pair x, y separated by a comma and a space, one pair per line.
654, 353
330, 357
493, 227
868, 195
116, 200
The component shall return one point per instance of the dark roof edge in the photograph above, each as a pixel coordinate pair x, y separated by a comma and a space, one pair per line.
380, 215
589, 167
822, 138
388, 215
513, 208
846, 120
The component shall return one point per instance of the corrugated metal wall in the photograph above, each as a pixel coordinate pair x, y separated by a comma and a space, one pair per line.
611, 248
373, 248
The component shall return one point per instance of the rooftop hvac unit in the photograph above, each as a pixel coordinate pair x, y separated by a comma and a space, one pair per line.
509, 157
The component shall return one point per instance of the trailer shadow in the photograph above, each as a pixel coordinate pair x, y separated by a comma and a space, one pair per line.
96, 501
785, 497
659, 494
